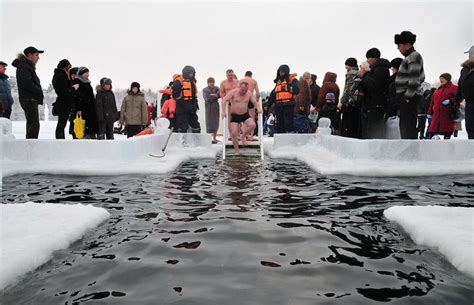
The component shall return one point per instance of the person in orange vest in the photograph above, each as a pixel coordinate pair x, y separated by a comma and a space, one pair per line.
283, 95
184, 91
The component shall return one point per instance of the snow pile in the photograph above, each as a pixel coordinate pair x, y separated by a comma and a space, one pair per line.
31, 232
450, 230
333, 155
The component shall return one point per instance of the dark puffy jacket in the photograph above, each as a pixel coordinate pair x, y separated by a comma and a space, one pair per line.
466, 83
85, 101
29, 86
63, 87
105, 105
424, 103
314, 94
6, 98
393, 98
375, 85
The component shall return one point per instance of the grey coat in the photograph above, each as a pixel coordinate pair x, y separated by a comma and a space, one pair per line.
5, 93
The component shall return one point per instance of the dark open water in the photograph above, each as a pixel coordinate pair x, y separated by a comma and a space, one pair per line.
243, 232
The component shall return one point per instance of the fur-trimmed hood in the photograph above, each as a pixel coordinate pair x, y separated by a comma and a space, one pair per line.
21, 58
129, 92
98, 88
468, 64
330, 77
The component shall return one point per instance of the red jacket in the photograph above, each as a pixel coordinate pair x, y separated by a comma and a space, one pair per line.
441, 114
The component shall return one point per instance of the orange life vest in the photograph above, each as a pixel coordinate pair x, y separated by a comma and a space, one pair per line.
187, 90
283, 95
169, 108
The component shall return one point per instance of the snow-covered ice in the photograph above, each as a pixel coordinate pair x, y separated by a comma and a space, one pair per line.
31, 232
450, 230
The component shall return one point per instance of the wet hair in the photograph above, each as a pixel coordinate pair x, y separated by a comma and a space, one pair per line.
248, 73
244, 83
229, 71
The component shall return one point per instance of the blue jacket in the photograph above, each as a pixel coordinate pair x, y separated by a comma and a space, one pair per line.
5, 93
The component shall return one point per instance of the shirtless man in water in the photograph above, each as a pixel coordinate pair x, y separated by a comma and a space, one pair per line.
239, 112
253, 88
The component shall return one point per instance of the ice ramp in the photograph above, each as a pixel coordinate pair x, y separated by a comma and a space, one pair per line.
334, 155
94, 157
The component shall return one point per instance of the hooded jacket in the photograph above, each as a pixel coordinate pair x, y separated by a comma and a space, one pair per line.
303, 99
375, 85
29, 86
134, 109
293, 86
329, 86
466, 82
105, 105
6, 98
63, 87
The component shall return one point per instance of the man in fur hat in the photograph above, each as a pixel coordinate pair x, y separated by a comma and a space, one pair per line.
29, 89
408, 82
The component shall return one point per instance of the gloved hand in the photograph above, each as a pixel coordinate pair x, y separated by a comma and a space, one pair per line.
445, 102
429, 116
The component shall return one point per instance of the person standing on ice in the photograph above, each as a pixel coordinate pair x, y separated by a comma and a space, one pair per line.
238, 99
226, 86
374, 84
466, 92
211, 98
185, 93
408, 83
393, 99
29, 89
84, 102
65, 91
442, 102
283, 96
134, 111
6, 99
329, 105
253, 88
106, 109
350, 113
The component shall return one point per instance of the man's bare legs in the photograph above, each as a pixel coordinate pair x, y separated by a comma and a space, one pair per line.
247, 129
234, 134
252, 113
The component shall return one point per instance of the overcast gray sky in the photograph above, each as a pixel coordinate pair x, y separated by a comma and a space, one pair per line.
150, 41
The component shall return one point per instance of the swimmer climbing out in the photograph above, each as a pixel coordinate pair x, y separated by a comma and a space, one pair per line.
238, 99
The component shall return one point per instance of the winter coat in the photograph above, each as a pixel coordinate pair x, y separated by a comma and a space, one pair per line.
441, 114
84, 101
314, 94
393, 98
134, 109
424, 103
29, 86
105, 106
6, 98
466, 83
329, 86
303, 99
410, 75
350, 75
63, 87
375, 85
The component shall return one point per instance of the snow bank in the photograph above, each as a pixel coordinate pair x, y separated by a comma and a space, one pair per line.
31, 232
450, 230
333, 155
94, 157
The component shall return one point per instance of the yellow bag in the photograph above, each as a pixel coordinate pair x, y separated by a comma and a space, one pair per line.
79, 127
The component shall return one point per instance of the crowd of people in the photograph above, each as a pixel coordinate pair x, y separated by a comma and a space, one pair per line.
371, 96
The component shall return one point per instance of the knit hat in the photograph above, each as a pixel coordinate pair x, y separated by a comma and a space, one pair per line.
330, 96
3, 64
351, 62
73, 71
373, 53
82, 70
105, 81
396, 62
446, 76
405, 37
63, 64
135, 85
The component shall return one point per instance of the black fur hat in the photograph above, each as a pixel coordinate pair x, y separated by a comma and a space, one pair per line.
405, 37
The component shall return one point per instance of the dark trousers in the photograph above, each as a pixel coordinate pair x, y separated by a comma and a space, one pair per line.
30, 107
372, 124
350, 125
469, 117
409, 118
284, 118
421, 125
133, 130
186, 116
6, 114
106, 131
62, 121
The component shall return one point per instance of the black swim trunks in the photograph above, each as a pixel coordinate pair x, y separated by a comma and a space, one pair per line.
239, 118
